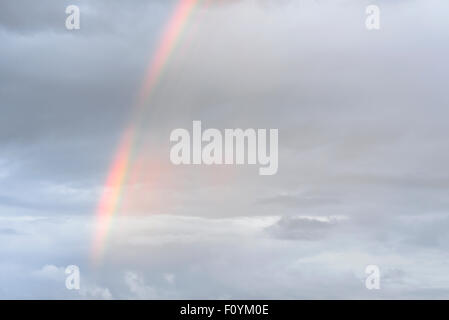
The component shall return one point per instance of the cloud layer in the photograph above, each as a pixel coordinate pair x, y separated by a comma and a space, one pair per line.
362, 118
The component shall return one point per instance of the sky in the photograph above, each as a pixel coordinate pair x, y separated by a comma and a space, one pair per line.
363, 150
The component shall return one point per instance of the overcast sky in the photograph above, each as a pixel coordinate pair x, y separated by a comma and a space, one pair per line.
363, 150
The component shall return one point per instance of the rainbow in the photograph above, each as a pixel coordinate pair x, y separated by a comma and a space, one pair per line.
110, 198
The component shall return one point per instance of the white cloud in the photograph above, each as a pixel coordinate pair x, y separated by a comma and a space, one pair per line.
137, 287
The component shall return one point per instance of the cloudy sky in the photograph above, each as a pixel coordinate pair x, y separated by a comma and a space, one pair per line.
363, 150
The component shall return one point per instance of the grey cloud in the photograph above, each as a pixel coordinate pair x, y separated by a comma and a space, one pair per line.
362, 122
299, 201
207, 256
301, 228
27, 17
8, 231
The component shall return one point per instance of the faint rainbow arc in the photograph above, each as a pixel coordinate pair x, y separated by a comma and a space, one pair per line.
116, 177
